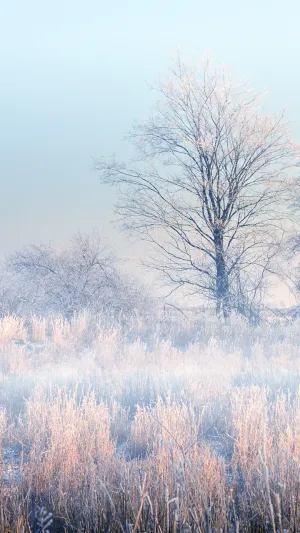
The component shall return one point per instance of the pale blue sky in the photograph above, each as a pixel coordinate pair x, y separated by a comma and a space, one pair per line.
74, 76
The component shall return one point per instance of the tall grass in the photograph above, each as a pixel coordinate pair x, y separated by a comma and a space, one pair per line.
130, 430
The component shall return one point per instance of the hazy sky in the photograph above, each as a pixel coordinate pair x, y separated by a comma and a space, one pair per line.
74, 76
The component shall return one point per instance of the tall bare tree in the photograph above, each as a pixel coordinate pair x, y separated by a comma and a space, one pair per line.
207, 188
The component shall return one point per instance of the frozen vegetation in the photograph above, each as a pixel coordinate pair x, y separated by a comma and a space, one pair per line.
131, 417
157, 424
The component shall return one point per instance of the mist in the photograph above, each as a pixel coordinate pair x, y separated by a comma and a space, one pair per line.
149, 267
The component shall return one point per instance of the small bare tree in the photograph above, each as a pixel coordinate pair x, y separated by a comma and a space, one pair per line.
83, 274
211, 199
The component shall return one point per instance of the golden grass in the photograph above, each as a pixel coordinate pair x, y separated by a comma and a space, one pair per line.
12, 329
64, 437
113, 436
38, 329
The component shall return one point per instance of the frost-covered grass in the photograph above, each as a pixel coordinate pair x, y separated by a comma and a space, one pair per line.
150, 426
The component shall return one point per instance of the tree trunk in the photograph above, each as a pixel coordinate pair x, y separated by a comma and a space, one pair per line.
222, 286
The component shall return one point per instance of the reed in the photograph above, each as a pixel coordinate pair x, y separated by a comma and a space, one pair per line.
102, 434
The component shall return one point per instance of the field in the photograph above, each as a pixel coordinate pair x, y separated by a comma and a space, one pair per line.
181, 425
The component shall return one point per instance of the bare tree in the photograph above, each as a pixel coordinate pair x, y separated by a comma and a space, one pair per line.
82, 275
207, 188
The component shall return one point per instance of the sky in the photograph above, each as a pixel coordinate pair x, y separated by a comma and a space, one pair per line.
75, 75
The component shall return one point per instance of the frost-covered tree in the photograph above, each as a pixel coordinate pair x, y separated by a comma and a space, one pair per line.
207, 188
82, 275
10, 298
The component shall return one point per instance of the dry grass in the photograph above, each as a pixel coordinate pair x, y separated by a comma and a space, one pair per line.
38, 329
146, 436
12, 329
